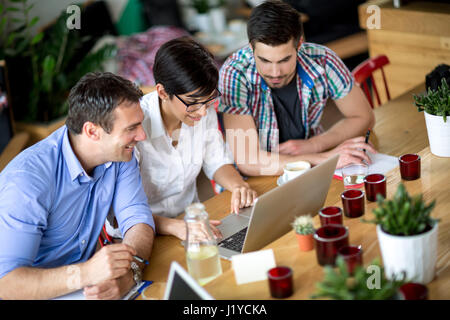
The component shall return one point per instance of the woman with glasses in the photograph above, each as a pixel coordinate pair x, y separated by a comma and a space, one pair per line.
183, 137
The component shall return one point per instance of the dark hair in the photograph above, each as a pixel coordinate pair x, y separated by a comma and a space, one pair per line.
274, 23
183, 65
94, 98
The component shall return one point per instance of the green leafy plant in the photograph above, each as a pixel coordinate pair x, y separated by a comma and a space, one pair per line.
15, 28
54, 71
55, 62
339, 284
303, 225
435, 102
403, 215
202, 6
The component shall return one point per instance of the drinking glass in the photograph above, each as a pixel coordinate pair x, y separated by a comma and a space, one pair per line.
375, 184
330, 215
329, 239
353, 203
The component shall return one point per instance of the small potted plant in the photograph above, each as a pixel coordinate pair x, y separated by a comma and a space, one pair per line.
407, 235
339, 284
203, 19
436, 107
304, 229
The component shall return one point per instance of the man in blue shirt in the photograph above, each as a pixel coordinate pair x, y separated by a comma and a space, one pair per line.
55, 196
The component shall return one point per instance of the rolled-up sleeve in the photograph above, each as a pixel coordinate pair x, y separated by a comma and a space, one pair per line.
130, 204
23, 217
216, 152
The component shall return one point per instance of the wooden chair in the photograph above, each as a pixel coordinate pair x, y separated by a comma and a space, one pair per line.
364, 71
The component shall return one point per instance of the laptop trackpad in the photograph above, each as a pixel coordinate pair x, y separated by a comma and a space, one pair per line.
232, 224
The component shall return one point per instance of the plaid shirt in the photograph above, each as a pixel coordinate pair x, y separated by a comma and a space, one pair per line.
321, 74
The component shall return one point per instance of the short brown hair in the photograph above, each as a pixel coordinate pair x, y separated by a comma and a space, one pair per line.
94, 98
274, 23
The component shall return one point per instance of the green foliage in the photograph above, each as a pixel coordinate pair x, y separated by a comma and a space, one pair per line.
15, 28
55, 71
202, 6
338, 284
435, 102
404, 215
303, 225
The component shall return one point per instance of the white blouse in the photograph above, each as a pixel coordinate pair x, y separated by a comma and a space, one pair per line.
169, 173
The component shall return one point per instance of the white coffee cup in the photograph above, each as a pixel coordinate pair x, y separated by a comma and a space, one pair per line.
294, 169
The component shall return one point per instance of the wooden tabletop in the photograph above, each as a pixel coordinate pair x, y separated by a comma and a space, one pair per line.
400, 128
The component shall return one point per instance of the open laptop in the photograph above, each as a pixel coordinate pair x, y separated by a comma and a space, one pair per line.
272, 214
181, 286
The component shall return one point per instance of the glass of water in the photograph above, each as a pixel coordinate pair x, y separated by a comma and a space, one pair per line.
353, 175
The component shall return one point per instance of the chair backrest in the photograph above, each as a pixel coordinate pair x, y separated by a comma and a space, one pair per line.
365, 70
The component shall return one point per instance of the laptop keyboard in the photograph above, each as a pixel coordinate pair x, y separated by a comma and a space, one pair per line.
234, 242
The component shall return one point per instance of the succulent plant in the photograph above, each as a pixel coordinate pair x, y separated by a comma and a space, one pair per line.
339, 284
435, 102
303, 225
403, 215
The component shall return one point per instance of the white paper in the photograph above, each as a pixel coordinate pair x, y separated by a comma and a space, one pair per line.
253, 266
381, 163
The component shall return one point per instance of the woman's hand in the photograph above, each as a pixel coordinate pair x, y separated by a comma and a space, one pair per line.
242, 196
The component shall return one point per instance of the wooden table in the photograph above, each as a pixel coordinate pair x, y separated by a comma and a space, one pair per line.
399, 129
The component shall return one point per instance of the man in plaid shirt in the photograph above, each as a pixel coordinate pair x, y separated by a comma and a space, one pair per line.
273, 94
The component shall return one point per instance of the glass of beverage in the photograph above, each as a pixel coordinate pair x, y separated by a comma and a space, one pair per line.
329, 239
330, 215
352, 255
375, 184
414, 291
202, 253
353, 203
353, 175
280, 282
409, 166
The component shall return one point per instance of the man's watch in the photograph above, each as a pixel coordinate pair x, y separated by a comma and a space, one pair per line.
137, 273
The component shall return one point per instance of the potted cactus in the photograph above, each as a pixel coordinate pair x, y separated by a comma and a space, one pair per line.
407, 235
339, 284
436, 107
304, 229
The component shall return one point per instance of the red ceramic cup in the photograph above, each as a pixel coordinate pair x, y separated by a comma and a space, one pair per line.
414, 291
328, 240
280, 282
352, 255
375, 184
330, 215
353, 203
409, 166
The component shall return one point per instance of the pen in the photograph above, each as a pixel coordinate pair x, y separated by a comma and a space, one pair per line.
137, 258
367, 138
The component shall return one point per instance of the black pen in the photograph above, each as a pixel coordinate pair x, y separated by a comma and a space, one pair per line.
367, 138
137, 258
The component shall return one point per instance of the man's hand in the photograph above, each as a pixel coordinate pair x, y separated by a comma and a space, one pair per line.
109, 263
297, 147
351, 152
110, 289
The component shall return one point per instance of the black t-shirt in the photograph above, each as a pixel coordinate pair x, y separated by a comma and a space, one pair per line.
288, 111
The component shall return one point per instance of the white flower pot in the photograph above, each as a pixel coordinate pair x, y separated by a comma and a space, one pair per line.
438, 134
204, 23
218, 19
417, 255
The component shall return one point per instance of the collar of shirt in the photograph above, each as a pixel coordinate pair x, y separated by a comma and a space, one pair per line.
307, 70
74, 165
157, 126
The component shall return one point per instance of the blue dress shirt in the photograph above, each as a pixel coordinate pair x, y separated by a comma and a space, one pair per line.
52, 212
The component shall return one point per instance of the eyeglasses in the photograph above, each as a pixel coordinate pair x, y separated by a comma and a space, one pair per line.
191, 107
